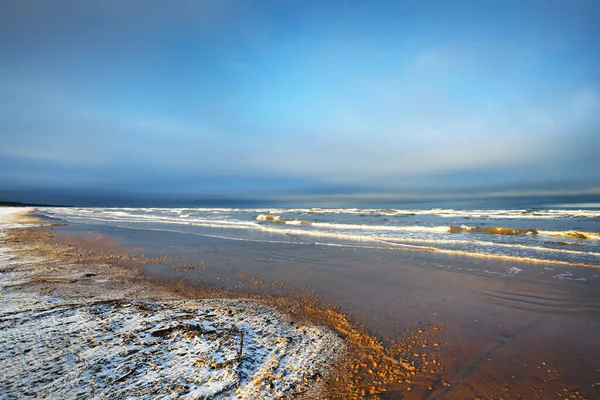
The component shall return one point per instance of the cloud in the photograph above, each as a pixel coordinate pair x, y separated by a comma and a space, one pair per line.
421, 139
212, 97
406, 144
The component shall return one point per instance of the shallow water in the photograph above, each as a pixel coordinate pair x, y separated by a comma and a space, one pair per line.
563, 236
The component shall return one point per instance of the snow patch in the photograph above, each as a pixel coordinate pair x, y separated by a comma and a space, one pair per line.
168, 349
53, 347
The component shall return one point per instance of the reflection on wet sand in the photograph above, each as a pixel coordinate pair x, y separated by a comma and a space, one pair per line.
472, 328
464, 328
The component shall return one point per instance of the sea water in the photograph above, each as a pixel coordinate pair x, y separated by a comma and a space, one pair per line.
569, 236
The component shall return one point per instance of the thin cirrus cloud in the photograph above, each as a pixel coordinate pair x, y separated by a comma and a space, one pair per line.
300, 99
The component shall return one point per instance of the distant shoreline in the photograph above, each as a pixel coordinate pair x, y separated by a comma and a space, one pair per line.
19, 204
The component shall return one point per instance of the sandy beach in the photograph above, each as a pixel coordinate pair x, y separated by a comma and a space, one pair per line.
300, 199
74, 325
80, 318
402, 328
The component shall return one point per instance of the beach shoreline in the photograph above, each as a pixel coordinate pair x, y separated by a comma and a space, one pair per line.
77, 270
452, 335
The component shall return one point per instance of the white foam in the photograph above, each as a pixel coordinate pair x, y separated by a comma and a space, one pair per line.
297, 222
571, 234
454, 213
394, 228
434, 237
439, 212
568, 276
268, 217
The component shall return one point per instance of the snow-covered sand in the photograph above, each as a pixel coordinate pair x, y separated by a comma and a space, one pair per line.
72, 346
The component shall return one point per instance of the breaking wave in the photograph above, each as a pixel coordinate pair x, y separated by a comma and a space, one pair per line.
508, 231
570, 236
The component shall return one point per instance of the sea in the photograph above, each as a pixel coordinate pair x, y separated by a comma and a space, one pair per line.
568, 236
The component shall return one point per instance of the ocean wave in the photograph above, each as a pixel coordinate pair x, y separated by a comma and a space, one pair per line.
178, 216
439, 212
213, 223
572, 234
503, 257
463, 239
408, 228
509, 214
296, 222
278, 220
268, 217
508, 231
481, 243
454, 213
493, 231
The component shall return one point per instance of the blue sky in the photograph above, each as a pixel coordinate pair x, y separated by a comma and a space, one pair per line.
298, 100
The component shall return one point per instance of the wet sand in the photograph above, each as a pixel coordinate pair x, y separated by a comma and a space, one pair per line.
49, 271
473, 328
